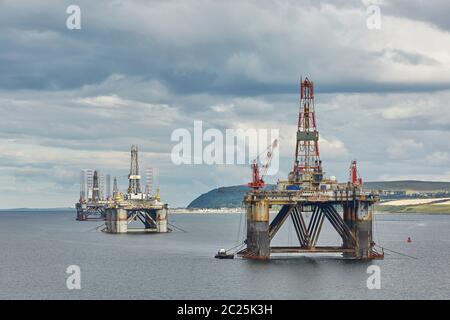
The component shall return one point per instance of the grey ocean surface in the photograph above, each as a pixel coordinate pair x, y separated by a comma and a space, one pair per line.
37, 247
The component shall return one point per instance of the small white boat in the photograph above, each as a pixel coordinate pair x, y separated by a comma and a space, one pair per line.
222, 254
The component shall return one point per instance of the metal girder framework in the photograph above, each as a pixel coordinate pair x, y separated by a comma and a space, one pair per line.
324, 249
278, 221
353, 225
152, 215
145, 216
90, 212
339, 225
311, 233
308, 234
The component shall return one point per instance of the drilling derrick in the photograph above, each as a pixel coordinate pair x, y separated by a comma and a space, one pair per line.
149, 182
134, 178
95, 188
115, 188
307, 164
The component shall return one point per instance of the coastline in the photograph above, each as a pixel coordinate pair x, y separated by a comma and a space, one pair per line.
414, 209
429, 209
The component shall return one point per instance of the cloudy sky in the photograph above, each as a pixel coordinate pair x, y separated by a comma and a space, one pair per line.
137, 70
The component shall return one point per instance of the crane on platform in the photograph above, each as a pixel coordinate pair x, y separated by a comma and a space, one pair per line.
354, 177
257, 178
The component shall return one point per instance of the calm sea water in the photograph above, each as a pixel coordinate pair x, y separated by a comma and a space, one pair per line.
37, 247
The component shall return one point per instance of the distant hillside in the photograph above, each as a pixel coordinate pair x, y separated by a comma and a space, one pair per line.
224, 197
413, 185
231, 197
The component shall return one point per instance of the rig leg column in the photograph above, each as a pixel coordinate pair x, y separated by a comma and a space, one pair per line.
364, 216
161, 220
81, 216
109, 222
349, 220
121, 220
116, 220
258, 240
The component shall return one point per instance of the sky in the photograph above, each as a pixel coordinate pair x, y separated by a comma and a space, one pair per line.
138, 70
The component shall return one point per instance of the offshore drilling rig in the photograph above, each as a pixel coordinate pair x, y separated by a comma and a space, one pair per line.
347, 207
91, 206
120, 211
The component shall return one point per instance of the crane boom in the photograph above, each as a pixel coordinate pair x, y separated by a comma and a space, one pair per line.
354, 177
257, 179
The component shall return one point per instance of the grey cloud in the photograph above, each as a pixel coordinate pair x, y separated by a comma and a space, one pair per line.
191, 47
434, 12
409, 57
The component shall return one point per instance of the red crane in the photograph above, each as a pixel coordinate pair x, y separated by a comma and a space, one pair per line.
257, 179
354, 177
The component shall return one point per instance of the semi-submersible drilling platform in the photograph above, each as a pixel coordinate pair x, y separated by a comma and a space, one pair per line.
347, 207
122, 210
